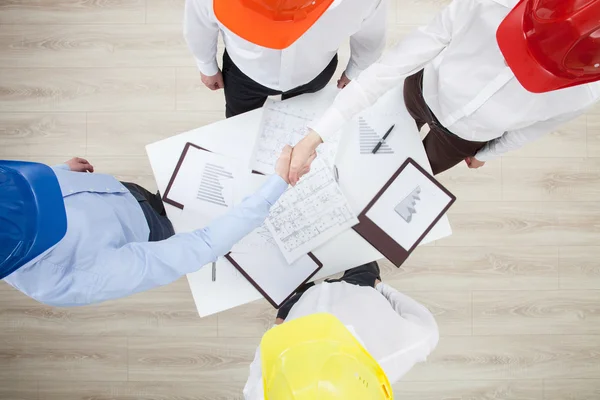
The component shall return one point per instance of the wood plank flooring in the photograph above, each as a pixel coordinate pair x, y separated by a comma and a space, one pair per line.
515, 290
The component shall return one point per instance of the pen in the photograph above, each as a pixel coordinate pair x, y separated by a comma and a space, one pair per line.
383, 139
336, 174
214, 271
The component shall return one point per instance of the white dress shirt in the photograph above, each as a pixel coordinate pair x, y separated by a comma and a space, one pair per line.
466, 82
361, 20
396, 330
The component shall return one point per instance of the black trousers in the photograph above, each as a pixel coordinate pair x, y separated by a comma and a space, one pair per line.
365, 275
154, 211
242, 94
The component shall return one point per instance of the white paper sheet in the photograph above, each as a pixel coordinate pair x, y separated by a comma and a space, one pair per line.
205, 182
283, 123
310, 214
408, 207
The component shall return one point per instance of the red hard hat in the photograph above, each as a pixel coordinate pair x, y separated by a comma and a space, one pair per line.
552, 44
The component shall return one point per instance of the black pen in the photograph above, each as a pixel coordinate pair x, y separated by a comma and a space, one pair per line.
383, 139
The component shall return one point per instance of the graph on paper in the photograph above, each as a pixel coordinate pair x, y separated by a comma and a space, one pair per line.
408, 206
310, 213
282, 125
211, 187
369, 138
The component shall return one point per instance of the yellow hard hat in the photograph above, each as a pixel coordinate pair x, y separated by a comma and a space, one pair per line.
317, 358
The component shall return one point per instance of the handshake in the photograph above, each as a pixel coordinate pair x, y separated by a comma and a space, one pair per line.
295, 162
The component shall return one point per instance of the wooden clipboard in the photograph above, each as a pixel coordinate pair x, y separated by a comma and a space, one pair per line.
378, 238
165, 197
318, 265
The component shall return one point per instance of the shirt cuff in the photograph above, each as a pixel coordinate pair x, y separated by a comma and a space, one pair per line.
208, 69
352, 71
329, 124
272, 189
485, 154
61, 166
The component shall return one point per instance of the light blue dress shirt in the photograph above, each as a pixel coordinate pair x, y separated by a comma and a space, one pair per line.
105, 253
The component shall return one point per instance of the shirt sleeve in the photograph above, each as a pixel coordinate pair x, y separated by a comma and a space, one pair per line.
406, 58
136, 267
61, 166
201, 33
368, 43
516, 139
412, 311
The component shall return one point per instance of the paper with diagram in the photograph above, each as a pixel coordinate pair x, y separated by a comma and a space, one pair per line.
310, 213
203, 182
409, 206
369, 138
282, 124
258, 258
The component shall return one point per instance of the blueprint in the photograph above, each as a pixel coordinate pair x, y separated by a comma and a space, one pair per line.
310, 213
284, 124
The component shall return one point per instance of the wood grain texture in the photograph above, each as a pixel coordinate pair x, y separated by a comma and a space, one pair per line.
192, 95
87, 89
484, 184
144, 314
593, 135
18, 390
64, 358
475, 268
217, 390
37, 134
250, 320
41, 12
134, 130
511, 357
572, 389
579, 267
551, 179
522, 223
126, 45
164, 11
536, 312
190, 360
470, 390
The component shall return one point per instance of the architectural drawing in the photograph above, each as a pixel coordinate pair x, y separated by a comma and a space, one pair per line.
282, 124
258, 240
310, 214
211, 187
407, 207
369, 139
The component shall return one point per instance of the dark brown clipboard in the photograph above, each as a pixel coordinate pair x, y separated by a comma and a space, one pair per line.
260, 289
165, 197
381, 240
257, 286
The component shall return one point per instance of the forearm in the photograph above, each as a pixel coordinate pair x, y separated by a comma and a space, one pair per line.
406, 58
201, 34
136, 267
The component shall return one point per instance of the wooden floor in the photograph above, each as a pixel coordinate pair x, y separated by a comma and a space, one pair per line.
516, 289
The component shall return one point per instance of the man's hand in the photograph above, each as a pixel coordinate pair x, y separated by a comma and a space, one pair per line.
474, 163
303, 155
282, 168
279, 321
214, 82
343, 81
377, 282
79, 165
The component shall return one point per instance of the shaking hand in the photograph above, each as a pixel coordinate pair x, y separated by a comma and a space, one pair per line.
303, 155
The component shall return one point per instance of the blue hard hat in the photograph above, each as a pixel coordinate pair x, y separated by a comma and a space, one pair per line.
32, 213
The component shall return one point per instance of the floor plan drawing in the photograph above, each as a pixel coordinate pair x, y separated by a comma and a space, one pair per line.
310, 214
281, 125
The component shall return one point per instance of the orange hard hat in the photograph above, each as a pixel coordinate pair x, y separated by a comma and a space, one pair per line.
552, 44
275, 24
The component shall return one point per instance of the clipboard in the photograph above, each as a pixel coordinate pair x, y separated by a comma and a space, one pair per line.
275, 304
165, 197
378, 237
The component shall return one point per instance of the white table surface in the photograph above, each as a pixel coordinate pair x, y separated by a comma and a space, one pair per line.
235, 137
